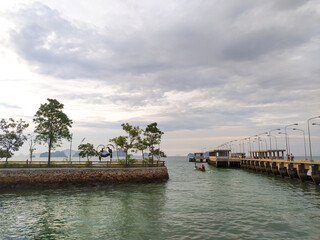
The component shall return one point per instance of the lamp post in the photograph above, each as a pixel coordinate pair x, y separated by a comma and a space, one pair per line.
309, 135
235, 146
285, 130
278, 129
265, 140
304, 138
259, 138
275, 138
287, 139
249, 143
70, 147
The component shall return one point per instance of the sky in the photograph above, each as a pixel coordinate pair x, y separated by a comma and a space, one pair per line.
207, 72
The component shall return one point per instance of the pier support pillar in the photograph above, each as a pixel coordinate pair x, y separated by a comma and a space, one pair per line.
251, 166
248, 164
315, 174
292, 171
262, 166
282, 170
274, 168
302, 172
267, 168
256, 166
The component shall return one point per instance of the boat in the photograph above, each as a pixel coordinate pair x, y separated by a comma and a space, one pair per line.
197, 168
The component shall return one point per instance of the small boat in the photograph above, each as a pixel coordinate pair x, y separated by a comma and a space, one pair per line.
202, 168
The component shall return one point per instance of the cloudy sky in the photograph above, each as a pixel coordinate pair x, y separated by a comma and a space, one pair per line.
206, 71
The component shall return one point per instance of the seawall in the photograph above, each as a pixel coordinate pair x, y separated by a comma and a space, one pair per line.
12, 178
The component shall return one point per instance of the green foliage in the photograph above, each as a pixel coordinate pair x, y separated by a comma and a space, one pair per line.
87, 150
131, 160
127, 142
119, 142
12, 137
5, 154
153, 137
52, 124
141, 145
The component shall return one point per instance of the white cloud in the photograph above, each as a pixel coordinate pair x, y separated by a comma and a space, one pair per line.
187, 65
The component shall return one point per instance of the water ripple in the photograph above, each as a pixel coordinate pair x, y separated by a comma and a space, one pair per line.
216, 204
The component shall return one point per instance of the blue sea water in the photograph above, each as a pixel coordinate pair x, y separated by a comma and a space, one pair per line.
216, 204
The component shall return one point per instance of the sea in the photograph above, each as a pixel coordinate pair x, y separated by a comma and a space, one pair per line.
215, 204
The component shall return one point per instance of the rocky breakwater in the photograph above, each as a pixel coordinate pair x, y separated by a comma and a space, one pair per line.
56, 177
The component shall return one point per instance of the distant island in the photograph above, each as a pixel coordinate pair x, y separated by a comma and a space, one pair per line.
53, 154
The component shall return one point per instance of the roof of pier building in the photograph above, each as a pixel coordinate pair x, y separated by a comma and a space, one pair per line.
220, 150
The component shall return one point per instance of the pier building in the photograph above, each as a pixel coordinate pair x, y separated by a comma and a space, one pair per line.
198, 157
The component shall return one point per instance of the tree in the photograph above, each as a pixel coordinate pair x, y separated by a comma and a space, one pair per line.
87, 150
141, 145
159, 153
3, 153
153, 137
12, 137
120, 143
32, 145
133, 133
52, 125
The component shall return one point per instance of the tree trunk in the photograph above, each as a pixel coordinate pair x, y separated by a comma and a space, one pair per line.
7, 156
49, 153
30, 156
126, 159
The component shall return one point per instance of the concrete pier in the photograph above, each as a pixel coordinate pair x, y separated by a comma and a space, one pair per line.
285, 168
266, 162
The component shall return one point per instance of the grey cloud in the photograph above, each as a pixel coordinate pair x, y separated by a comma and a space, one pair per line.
10, 106
220, 46
185, 43
289, 4
264, 41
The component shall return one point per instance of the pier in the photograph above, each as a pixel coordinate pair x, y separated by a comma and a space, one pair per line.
269, 162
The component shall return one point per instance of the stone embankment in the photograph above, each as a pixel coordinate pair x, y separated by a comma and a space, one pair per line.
56, 177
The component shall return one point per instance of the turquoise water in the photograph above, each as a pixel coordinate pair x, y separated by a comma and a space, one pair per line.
216, 204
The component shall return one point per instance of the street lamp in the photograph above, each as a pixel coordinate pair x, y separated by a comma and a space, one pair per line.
249, 138
265, 140
304, 138
287, 139
278, 129
70, 147
275, 138
259, 138
309, 135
